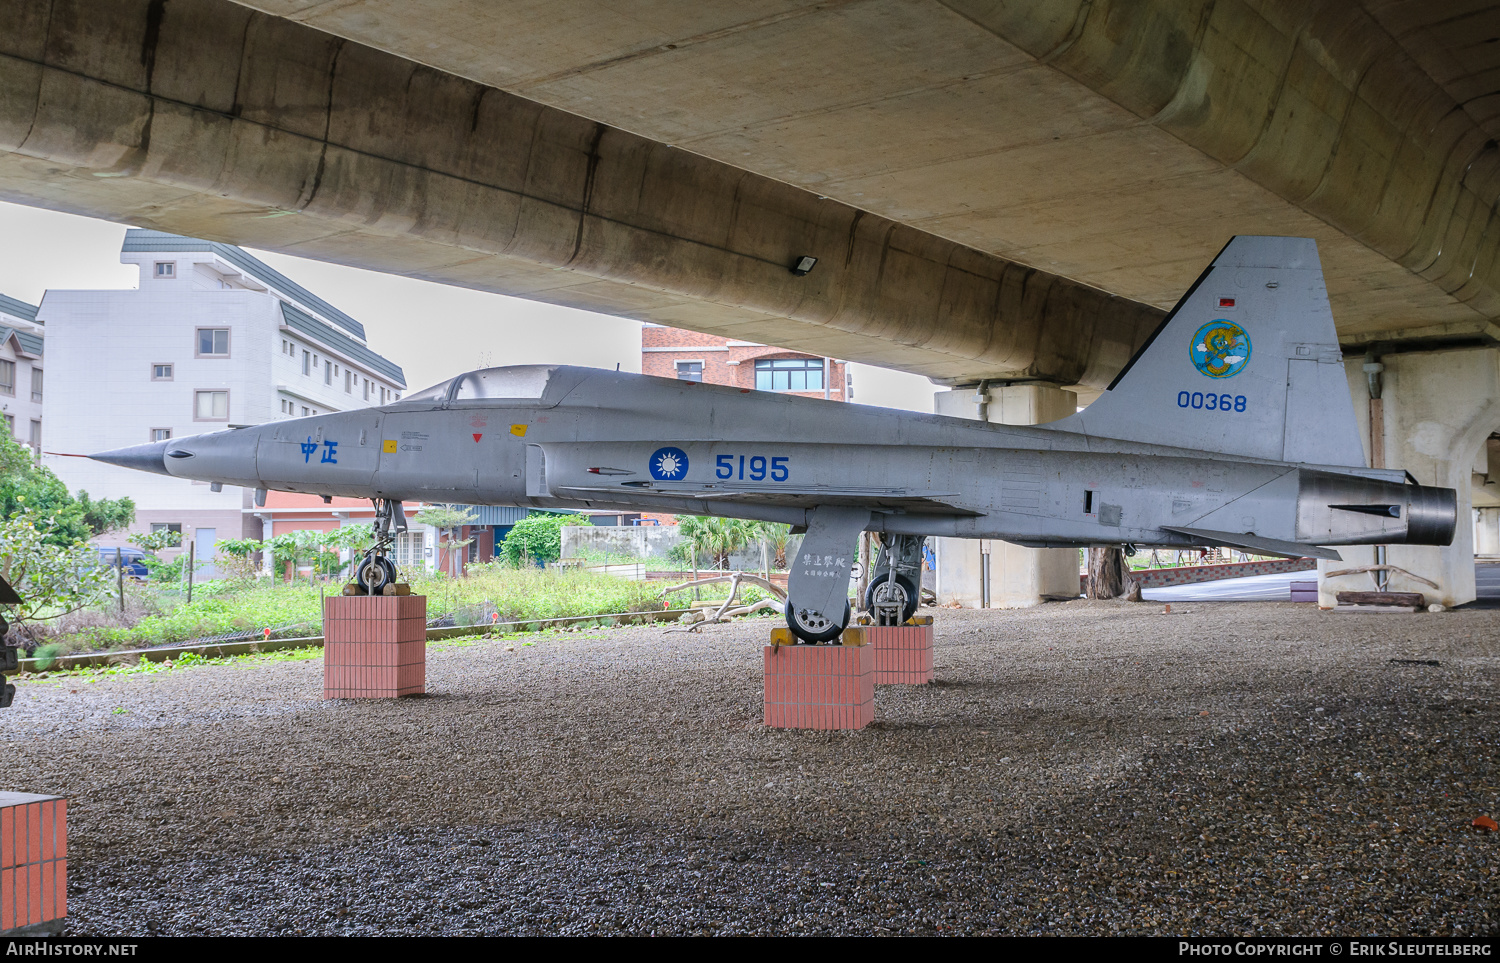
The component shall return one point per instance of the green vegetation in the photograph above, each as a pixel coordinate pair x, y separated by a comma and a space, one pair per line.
188, 660
26, 485
52, 578
716, 538
449, 521
488, 594
537, 539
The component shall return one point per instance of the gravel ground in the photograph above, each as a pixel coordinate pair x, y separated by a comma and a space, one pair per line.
1088, 767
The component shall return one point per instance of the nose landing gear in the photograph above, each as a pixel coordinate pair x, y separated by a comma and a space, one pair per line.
375, 570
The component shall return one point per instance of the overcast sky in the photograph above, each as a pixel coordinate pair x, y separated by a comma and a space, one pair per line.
433, 331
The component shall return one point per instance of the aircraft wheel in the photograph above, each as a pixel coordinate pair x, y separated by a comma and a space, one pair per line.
375, 572
815, 627
898, 588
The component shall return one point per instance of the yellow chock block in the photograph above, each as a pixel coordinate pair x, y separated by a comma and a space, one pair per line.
350, 589
919, 620
854, 635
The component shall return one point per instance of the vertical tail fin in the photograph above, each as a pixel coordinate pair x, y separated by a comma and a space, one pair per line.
1248, 363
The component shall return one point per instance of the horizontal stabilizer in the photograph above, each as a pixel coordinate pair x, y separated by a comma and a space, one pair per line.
1256, 544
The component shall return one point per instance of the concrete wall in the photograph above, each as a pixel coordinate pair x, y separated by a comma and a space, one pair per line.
652, 541
1440, 407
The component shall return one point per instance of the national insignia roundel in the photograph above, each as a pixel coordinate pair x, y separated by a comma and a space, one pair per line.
669, 464
1220, 349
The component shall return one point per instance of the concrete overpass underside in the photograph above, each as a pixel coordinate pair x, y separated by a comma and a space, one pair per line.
993, 190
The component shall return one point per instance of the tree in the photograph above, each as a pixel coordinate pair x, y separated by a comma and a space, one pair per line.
537, 539
152, 543
448, 519
25, 484
716, 537
1106, 573
51, 579
235, 557
356, 538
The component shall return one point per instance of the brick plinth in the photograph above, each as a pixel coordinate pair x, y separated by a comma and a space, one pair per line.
820, 686
903, 653
33, 864
374, 647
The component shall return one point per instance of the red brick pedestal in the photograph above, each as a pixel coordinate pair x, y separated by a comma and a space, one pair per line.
903, 653
374, 646
33, 864
819, 686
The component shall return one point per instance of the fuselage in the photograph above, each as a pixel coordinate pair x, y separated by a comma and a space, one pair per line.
569, 438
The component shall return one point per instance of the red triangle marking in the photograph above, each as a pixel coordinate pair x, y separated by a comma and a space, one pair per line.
478, 436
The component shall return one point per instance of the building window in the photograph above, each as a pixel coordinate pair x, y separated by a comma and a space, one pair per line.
161, 372
36, 436
166, 527
10, 424
327, 373
689, 371
160, 434
305, 412
7, 377
36, 384
210, 406
348, 382
367, 389
213, 342
166, 269
410, 550
789, 374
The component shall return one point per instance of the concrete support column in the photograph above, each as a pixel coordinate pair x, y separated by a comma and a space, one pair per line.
1019, 577
1439, 409
1487, 533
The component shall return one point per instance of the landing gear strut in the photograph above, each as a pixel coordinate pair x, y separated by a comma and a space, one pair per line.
375, 570
896, 587
817, 605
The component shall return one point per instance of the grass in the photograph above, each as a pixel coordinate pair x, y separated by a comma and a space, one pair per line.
191, 660
489, 593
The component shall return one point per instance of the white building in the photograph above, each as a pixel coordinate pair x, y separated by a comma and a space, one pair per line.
21, 371
211, 338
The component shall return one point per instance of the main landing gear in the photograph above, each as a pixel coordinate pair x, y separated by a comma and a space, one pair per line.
817, 605
896, 586
375, 570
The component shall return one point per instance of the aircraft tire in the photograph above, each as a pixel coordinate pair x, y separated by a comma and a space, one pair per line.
884, 587
821, 630
375, 572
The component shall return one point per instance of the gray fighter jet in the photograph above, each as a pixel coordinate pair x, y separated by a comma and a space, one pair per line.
1233, 425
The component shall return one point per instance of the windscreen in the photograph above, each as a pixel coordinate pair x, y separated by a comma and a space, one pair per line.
524, 382
437, 394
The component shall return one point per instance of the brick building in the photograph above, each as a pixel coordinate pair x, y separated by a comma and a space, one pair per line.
675, 353
690, 356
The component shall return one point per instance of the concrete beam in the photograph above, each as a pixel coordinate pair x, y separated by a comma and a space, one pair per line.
1115, 143
206, 118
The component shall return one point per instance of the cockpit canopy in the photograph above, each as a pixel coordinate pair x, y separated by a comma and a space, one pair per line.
520, 383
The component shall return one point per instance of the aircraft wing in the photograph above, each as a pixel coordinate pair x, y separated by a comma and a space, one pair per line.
1258, 545
898, 499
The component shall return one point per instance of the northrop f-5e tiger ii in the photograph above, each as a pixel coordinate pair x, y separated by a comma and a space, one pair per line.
1233, 425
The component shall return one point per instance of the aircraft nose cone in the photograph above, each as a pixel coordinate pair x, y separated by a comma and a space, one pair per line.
150, 457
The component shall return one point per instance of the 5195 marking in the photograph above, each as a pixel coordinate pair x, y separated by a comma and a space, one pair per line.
733, 466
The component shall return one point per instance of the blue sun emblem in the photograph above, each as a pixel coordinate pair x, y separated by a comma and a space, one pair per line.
669, 464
